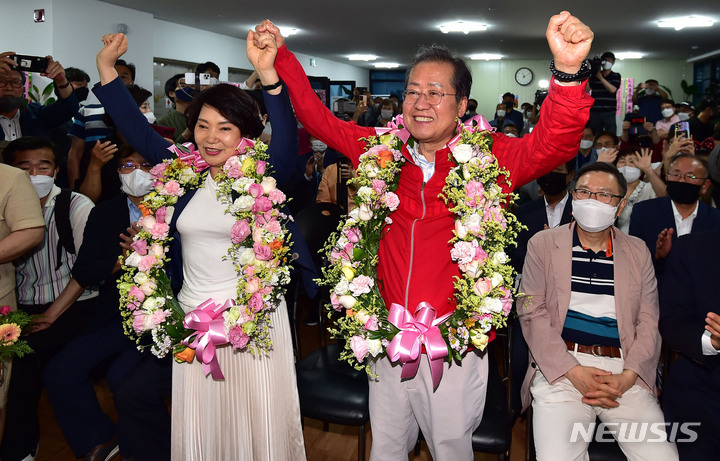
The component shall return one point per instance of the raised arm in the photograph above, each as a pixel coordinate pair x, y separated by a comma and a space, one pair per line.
122, 108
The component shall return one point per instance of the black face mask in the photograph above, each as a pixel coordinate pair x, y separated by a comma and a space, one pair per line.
509, 106
10, 103
82, 93
553, 183
683, 192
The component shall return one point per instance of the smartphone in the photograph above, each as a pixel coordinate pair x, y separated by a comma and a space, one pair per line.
363, 99
682, 128
31, 63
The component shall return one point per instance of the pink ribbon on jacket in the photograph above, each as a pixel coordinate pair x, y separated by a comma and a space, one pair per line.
396, 127
191, 156
476, 123
244, 144
209, 326
416, 331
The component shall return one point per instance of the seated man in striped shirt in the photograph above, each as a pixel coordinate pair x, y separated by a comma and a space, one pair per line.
590, 316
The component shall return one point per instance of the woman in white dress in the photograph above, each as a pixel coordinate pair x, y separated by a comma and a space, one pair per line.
254, 413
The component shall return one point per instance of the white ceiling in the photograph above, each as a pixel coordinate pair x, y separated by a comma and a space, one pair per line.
333, 29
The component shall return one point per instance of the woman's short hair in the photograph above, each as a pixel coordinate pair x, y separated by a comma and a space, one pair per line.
231, 102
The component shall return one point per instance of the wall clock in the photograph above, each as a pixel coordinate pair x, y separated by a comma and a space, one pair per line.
524, 76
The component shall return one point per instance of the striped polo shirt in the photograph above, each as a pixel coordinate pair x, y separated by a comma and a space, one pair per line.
89, 124
591, 318
604, 100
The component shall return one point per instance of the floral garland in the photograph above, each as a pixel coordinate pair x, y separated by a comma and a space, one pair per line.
483, 229
259, 251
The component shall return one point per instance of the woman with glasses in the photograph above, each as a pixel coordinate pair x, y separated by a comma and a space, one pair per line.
633, 166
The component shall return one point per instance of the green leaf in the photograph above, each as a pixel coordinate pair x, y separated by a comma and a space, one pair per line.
49, 101
48, 89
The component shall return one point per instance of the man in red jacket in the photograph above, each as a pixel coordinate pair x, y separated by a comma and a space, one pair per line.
414, 256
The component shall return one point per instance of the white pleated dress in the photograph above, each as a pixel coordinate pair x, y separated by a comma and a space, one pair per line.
254, 413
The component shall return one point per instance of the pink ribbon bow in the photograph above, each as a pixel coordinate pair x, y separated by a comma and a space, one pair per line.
189, 155
209, 326
244, 145
416, 331
396, 127
473, 124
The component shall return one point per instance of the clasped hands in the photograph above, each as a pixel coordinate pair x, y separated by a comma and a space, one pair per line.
600, 387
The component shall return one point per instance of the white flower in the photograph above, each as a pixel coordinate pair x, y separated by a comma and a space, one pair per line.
460, 230
462, 153
365, 214
342, 287
141, 278
365, 193
246, 256
169, 211
268, 184
473, 222
374, 347
493, 305
186, 175
371, 169
500, 258
496, 279
347, 301
362, 316
466, 172
133, 260
243, 203
149, 305
353, 217
242, 184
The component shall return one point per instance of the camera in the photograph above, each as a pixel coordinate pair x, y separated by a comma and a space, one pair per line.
595, 65
31, 63
345, 106
540, 96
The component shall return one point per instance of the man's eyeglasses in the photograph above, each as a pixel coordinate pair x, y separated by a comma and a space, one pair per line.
432, 97
603, 197
675, 176
12, 83
129, 167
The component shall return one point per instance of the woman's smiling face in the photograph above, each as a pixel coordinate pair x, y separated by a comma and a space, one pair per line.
216, 137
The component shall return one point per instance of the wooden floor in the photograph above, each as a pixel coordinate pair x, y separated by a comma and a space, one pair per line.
340, 443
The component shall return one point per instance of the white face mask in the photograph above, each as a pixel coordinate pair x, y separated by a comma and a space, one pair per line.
667, 113
649, 91
593, 216
43, 184
137, 184
150, 116
511, 135
631, 173
386, 114
683, 116
500, 113
318, 146
602, 150
607, 65
586, 143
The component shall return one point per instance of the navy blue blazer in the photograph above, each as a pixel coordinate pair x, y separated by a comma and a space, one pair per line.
38, 120
533, 215
282, 151
650, 217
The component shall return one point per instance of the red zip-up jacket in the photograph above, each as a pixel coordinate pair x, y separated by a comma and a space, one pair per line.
414, 256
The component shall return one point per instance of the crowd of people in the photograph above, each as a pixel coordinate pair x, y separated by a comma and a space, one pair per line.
615, 261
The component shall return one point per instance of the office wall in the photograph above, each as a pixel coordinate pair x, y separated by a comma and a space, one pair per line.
493, 78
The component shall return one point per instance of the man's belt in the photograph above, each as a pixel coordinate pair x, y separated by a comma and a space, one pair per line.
596, 350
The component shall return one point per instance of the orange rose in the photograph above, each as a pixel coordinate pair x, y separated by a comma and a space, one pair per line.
384, 157
276, 244
186, 355
144, 210
349, 312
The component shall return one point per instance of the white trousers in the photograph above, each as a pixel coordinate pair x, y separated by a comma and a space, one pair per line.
558, 408
447, 416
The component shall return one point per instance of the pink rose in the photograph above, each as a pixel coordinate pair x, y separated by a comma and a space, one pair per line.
361, 284
262, 252
359, 347
255, 190
474, 189
260, 167
353, 234
265, 290
158, 170
506, 301
335, 302
234, 171
148, 287
262, 204
132, 306
256, 302
147, 222
482, 286
372, 323
257, 234
240, 231
245, 315
480, 255
252, 285
140, 246
237, 337
463, 252
158, 317
5, 310
378, 185
172, 187
273, 227
160, 214
249, 271
138, 321
137, 293
276, 196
